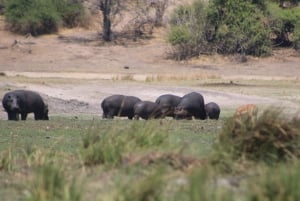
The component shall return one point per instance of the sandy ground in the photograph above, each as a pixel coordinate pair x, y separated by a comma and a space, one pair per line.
78, 70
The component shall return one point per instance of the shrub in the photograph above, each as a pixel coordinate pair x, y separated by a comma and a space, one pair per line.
32, 16
187, 31
239, 27
270, 138
71, 12
41, 16
2, 6
285, 24
225, 27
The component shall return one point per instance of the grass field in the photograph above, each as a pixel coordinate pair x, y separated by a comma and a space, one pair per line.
78, 159
29, 145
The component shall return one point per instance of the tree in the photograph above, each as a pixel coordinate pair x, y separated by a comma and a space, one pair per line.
140, 11
108, 8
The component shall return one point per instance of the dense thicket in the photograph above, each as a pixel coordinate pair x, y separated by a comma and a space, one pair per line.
233, 26
42, 16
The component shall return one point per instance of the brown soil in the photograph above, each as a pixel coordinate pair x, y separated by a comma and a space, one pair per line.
75, 70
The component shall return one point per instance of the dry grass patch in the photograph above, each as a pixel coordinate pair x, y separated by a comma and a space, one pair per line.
180, 77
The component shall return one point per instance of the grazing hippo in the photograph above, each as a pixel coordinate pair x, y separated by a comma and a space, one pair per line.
147, 110
24, 102
168, 103
191, 105
119, 105
212, 110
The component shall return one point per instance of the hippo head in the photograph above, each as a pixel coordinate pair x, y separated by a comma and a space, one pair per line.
182, 113
11, 102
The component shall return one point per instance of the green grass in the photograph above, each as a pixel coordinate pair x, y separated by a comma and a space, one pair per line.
27, 146
133, 160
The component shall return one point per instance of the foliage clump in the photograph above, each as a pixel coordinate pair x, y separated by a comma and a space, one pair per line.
232, 27
187, 31
42, 16
285, 25
270, 138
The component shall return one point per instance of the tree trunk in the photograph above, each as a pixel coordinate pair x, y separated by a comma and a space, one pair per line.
105, 7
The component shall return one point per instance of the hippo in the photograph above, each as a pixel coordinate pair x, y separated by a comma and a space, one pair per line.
168, 103
191, 105
212, 110
119, 105
24, 102
147, 110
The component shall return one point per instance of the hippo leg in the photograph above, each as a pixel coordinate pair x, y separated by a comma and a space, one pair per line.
37, 116
13, 116
23, 116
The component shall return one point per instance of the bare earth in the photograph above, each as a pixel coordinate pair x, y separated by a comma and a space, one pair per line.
74, 70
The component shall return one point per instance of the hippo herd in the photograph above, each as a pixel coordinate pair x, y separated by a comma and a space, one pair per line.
167, 105
23, 102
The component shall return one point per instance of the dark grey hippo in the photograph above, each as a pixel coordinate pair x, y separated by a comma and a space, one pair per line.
191, 105
168, 103
147, 110
119, 105
24, 102
212, 110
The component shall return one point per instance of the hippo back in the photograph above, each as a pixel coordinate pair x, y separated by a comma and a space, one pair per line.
168, 103
119, 105
193, 104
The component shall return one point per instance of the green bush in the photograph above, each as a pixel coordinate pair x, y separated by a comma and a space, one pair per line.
187, 30
271, 137
240, 28
226, 27
285, 24
41, 16
71, 12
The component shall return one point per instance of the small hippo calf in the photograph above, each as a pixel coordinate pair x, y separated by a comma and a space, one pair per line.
24, 102
212, 110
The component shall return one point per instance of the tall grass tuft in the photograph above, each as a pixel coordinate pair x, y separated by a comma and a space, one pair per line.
7, 161
50, 184
109, 146
280, 183
149, 188
201, 187
270, 138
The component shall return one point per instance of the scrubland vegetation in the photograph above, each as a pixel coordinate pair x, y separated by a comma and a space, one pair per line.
203, 27
248, 157
233, 27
